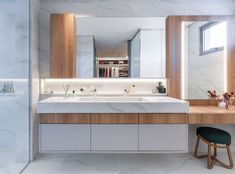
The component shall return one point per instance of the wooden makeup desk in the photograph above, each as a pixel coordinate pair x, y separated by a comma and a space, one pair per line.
211, 115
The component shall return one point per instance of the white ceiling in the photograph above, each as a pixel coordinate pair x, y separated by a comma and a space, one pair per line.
111, 34
141, 7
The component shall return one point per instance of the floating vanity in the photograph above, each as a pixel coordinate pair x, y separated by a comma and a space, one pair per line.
113, 124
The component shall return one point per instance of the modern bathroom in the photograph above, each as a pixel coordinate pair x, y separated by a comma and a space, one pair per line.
117, 87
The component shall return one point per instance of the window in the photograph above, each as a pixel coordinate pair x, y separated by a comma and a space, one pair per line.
212, 37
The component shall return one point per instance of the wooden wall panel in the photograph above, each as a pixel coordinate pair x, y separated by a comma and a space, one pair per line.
173, 55
173, 50
114, 119
231, 54
163, 119
63, 46
65, 118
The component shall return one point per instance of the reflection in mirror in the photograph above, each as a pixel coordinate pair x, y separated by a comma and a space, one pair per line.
120, 47
204, 58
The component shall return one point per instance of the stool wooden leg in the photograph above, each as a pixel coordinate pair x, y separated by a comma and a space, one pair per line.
230, 166
209, 159
230, 157
196, 147
215, 150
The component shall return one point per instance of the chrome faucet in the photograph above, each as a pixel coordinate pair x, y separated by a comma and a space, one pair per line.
66, 90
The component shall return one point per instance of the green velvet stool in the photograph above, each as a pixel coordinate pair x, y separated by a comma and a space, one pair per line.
215, 138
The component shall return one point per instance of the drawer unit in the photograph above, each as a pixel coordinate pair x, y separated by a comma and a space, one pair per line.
163, 137
62, 137
114, 137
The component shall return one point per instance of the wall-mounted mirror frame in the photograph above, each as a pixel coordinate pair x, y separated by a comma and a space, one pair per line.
174, 63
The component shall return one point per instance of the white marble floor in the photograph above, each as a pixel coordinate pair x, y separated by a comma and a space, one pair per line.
122, 164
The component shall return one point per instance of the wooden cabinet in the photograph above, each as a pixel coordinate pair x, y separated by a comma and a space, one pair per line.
114, 118
65, 118
113, 132
162, 118
63, 46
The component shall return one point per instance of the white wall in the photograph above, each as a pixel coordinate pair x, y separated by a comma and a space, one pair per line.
85, 57
151, 54
148, 54
135, 56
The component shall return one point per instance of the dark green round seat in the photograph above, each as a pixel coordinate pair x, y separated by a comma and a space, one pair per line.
214, 135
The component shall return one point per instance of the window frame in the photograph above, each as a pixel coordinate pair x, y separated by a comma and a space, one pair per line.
202, 38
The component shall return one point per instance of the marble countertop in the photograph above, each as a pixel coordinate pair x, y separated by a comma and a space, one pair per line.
113, 104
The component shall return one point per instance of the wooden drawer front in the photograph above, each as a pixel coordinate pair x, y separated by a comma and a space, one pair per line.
57, 137
114, 137
65, 118
114, 118
162, 118
163, 137
211, 118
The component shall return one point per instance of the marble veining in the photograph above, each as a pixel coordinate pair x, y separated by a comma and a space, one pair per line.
122, 164
14, 108
85, 57
155, 104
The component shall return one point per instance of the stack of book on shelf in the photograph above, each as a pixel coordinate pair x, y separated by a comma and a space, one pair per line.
112, 67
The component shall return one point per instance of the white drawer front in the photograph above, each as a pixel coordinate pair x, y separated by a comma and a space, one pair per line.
64, 137
163, 137
114, 137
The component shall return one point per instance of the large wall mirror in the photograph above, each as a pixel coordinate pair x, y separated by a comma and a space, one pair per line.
204, 55
113, 47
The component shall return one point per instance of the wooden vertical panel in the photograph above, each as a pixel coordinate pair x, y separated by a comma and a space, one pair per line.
173, 55
63, 46
231, 53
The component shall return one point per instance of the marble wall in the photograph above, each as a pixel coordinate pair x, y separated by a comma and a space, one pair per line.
35, 82
14, 68
85, 56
